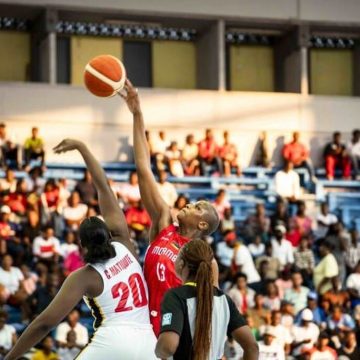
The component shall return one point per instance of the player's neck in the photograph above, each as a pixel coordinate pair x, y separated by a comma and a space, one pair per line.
189, 233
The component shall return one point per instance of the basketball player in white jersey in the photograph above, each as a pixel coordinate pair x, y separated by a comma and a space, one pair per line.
112, 284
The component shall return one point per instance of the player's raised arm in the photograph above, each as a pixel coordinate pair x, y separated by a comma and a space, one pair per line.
109, 207
155, 205
72, 291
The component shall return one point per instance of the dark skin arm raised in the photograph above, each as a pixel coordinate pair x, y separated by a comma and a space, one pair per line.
154, 204
109, 207
85, 281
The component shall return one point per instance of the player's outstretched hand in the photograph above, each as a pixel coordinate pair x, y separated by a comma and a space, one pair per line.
67, 145
131, 97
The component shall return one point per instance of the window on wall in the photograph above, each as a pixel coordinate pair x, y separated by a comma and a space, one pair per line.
137, 61
251, 68
331, 72
15, 64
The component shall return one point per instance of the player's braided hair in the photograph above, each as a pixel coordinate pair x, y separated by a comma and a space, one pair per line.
95, 237
197, 255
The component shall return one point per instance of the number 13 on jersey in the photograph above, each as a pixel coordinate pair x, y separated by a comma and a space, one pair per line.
160, 271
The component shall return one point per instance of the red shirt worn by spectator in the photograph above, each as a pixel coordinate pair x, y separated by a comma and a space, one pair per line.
159, 269
138, 217
208, 149
295, 152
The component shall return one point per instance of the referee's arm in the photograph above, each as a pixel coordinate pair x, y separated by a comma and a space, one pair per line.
245, 338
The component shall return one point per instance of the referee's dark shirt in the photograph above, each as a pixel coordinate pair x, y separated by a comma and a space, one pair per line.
178, 312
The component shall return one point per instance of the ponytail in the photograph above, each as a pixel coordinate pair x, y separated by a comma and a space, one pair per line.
198, 256
204, 305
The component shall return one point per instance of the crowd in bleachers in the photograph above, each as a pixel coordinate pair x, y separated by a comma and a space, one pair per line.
295, 277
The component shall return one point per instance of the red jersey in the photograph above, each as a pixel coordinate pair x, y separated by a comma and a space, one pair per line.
159, 269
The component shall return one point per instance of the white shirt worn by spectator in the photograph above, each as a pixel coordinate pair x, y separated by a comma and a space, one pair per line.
66, 249
257, 250
68, 354
224, 253
328, 220
238, 298
168, 193
158, 146
354, 149
301, 333
75, 213
7, 186
46, 248
11, 279
287, 184
353, 282
82, 335
283, 251
271, 352
190, 152
244, 259
130, 193
6, 336
283, 335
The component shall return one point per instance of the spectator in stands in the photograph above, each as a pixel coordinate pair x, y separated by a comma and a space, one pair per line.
283, 282
7, 335
338, 241
268, 265
72, 323
304, 260
3, 136
269, 348
353, 149
280, 216
46, 248
300, 225
190, 155
34, 147
296, 153
229, 156
75, 212
130, 192
32, 227
337, 296
319, 315
8, 184
11, 154
257, 224
158, 146
257, 247
71, 348
167, 190
221, 203
306, 334
324, 220
49, 200
244, 263
173, 159
46, 351
353, 285
241, 294
180, 203
69, 245
352, 254
228, 222
87, 190
64, 194
339, 321
282, 248
262, 158
259, 314
272, 299
336, 156
297, 295
283, 336
326, 269
350, 348
209, 153
35, 182
322, 351
287, 183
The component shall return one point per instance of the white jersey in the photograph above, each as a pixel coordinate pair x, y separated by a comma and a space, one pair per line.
124, 299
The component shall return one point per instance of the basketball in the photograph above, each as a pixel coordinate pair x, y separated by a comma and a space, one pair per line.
104, 75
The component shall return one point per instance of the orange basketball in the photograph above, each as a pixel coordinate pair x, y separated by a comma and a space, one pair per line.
104, 75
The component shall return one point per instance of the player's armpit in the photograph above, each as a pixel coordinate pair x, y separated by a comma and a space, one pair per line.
167, 344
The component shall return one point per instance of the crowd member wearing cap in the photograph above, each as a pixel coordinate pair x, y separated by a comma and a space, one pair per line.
269, 348
282, 248
321, 350
326, 269
305, 335
319, 315
298, 293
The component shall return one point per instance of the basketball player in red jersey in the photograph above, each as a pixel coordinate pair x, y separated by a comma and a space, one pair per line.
195, 220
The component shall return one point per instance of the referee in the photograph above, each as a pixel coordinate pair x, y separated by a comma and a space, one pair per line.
196, 318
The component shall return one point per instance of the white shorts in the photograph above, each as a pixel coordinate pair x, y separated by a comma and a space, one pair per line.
120, 343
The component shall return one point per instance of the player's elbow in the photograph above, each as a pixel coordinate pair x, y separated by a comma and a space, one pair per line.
251, 351
165, 346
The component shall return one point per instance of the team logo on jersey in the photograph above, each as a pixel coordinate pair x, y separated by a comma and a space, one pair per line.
175, 245
166, 319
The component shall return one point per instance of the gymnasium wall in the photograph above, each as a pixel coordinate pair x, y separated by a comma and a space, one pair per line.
105, 124
322, 10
